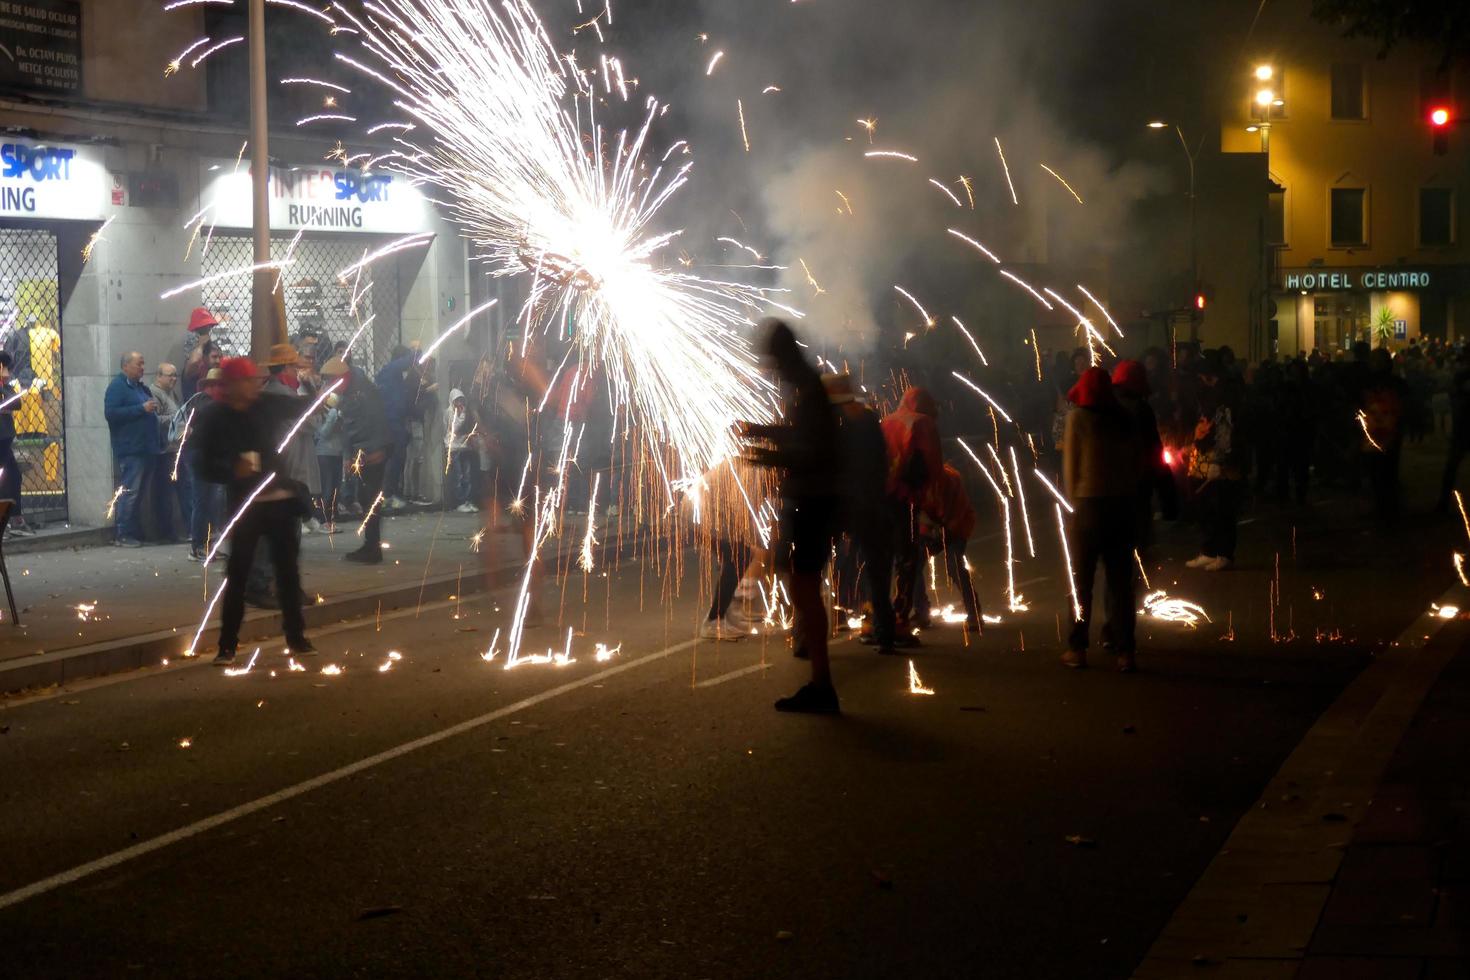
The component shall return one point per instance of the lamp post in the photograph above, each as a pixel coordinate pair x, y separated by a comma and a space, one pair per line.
263, 325
1192, 156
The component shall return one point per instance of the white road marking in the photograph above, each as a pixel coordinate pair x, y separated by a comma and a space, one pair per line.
326, 779
733, 674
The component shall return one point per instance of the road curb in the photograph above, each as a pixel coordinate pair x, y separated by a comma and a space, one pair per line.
1255, 907
127, 653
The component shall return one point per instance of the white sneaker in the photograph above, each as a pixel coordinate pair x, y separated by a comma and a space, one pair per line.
1217, 565
719, 629
1199, 562
314, 526
465, 508
736, 619
397, 503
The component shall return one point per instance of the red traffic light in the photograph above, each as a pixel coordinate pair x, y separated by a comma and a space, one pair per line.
1439, 117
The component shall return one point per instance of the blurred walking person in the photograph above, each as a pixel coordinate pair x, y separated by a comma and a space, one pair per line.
365, 445
206, 508
461, 458
1102, 466
954, 517
1131, 386
804, 449
865, 516
1215, 469
1382, 415
915, 462
237, 448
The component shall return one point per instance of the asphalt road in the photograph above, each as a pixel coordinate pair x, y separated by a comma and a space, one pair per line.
652, 816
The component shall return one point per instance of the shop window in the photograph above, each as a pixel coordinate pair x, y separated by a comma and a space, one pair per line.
1276, 215
1349, 93
1436, 216
30, 332
1348, 214
314, 297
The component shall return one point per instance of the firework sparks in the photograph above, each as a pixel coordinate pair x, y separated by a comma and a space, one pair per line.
217, 277
112, 504
916, 686
453, 329
969, 187
589, 541
1016, 603
377, 501
947, 192
316, 404
870, 125
172, 68
981, 248
1021, 497
1007, 168
1054, 491
976, 388
891, 155
1095, 302
744, 135
1363, 422
208, 611
96, 237
236, 517
1036, 351
719, 55
1464, 518
1028, 287
1067, 557
179, 455
1063, 181
1460, 569
249, 666
968, 336
1161, 606
85, 610
928, 320
604, 653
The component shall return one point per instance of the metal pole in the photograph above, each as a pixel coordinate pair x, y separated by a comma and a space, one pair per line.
1193, 233
263, 327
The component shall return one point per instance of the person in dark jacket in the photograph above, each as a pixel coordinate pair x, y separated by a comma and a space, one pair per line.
805, 449
1384, 402
397, 384
1130, 385
129, 408
9, 468
865, 516
206, 513
953, 518
238, 439
915, 462
1102, 469
1459, 430
365, 445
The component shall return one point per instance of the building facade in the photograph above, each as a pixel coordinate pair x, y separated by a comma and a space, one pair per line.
118, 185
1365, 235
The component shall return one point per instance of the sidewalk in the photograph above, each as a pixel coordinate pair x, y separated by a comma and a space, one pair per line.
104, 609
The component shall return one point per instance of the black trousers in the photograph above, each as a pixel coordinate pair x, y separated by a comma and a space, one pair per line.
908, 559
954, 561
1383, 473
865, 568
1219, 512
732, 557
368, 488
278, 522
1102, 531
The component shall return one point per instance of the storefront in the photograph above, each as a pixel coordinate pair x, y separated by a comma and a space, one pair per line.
42, 186
323, 220
1330, 309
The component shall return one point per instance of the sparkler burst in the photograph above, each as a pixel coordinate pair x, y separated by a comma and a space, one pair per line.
505, 128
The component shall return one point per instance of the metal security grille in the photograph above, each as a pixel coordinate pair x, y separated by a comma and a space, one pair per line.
30, 332
314, 298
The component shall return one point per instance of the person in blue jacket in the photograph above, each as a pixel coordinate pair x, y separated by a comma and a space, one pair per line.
130, 410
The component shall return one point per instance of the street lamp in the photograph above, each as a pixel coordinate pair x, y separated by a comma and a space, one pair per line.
1264, 73
1192, 156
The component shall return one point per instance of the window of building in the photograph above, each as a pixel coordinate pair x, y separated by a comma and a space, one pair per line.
1436, 216
1276, 215
1349, 95
1348, 214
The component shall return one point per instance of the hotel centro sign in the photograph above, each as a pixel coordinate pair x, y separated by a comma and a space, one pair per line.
1313, 280
316, 197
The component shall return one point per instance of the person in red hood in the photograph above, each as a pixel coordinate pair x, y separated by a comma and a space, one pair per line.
1102, 466
949, 508
915, 464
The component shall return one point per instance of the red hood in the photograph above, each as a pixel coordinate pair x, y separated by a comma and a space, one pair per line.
919, 402
1093, 390
1132, 377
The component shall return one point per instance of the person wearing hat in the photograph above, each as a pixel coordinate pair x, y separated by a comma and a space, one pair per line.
192, 354
238, 438
208, 502
864, 516
365, 444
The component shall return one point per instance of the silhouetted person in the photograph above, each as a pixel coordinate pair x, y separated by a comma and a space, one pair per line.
238, 439
1101, 471
804, 448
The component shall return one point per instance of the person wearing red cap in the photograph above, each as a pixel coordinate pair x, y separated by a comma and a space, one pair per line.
1102, 465
1130, 384
201, 325
237, 447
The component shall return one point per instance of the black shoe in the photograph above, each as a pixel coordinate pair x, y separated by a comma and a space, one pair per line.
365, 556
300, 648
261, 600
128, 543
811, 700
224, 658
